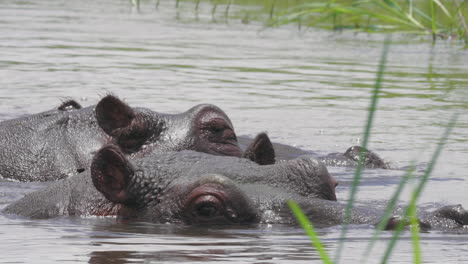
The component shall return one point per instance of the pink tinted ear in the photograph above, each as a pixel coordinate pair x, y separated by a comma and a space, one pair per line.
112, 113
111, 172
261, 150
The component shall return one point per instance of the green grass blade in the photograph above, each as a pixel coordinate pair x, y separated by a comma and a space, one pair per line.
433, 20
425, 17
463, 23
404, 17
414, 17
399, 11
417, 192
309, 229
292, 17
394, 17
410, 6
441, 6
388, 210
396, 235
370, 118
415, 233
393, 4
414, 21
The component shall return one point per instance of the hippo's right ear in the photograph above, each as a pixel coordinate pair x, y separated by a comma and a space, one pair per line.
261, 150
111, 172
112, 113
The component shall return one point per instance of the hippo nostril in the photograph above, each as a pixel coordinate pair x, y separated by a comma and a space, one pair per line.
207, 206
229, 135
80, 170
215, 125
216, 129
207, 210
231, 215
213, 203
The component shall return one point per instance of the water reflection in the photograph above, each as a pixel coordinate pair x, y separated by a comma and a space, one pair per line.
310, 90
219, 244
117, 257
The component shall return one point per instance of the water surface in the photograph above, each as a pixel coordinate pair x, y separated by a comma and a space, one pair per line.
305, 89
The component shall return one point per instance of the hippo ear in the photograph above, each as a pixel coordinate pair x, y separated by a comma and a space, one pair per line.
371, 159
111, 172
112, 113
128, 129
69, 105
261, 150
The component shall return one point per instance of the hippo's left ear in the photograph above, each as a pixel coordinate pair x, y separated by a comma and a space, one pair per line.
111, 172
128, 129
112, 113
260, 150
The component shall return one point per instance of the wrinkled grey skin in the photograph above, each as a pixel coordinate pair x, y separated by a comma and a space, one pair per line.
195, 188
60, 143
349, 158
158, 178
271, 207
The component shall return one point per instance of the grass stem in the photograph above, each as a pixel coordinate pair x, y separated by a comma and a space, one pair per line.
419, 188
389, 209
358, 171
309, 229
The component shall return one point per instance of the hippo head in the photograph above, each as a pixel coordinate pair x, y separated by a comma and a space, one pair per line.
207, 199
370, 158
204, 128
196, 188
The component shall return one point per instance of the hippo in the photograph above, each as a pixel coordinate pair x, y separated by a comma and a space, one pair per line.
350, 158
61, 143
193, 188
160, 175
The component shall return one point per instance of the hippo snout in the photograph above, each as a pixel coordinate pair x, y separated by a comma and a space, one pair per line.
315, 181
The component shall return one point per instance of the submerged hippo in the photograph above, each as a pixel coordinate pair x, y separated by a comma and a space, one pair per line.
60, 143
116, 185
349, 158
196, 188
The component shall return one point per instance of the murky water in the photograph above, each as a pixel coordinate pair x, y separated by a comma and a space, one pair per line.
310, 90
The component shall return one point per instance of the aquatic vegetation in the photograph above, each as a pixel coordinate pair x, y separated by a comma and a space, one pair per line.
446, 20
409, 216
441, 19
309, 229
367, 132
410, 211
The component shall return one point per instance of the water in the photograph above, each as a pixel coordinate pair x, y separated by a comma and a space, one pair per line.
309, 90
